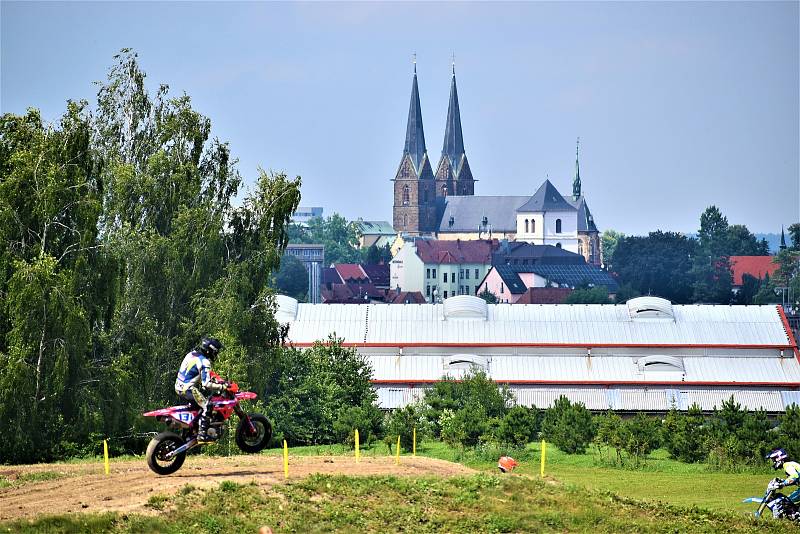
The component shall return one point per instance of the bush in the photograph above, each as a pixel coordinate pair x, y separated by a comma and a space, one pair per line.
519, 426
568, 426
367, 419
474, 390
402, 422
684, 435
640, 436
789, 431
308, 389
736, 436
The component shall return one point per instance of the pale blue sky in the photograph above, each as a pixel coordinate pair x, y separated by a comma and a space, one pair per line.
678, 105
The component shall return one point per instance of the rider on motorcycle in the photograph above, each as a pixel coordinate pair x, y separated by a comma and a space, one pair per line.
781, 459
195, 383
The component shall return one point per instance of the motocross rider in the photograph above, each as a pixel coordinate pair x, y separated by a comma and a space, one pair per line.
196, 384
781, 459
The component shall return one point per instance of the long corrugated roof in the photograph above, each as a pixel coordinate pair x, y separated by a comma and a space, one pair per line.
540, 324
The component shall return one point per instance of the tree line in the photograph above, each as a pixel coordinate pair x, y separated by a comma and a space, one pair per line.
121, 246
687, 270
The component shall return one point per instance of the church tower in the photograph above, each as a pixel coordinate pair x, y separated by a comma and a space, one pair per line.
414, 194
453, 175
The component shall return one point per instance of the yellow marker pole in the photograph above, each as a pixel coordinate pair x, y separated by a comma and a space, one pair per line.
285, 460
397, 452
414, 449
105, 454
544, 454
358, 451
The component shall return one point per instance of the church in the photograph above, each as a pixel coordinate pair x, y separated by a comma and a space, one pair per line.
443, 204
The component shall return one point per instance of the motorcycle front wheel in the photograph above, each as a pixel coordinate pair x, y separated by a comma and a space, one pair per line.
159, 447
252, 442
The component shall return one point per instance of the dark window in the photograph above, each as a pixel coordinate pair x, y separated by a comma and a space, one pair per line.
467, 273
558, 245
526, 226
444, 190
427, 291
460, 274
406, 195
434, 273
427, 273
445, 294
533, 226
476, 274
558, 226
501, 287
445, 278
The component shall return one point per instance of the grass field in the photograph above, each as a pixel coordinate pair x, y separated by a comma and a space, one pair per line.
580, 493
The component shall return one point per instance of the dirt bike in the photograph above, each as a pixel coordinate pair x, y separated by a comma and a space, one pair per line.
167, 451
779, 504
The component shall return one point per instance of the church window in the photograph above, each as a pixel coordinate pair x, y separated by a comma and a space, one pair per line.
526, 226
533, 226
444, 190
406, 195
405, 220
424, 195
558, 226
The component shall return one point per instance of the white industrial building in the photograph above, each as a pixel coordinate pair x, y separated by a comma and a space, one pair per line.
646, 355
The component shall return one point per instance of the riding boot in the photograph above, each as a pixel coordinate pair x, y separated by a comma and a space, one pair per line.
203, 425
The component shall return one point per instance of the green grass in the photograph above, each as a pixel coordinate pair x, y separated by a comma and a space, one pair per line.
478, 503
26, 478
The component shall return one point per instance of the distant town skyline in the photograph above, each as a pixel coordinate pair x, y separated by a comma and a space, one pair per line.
677, 105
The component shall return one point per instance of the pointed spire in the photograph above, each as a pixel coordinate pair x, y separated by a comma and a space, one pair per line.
453, 138
576, 183
415, 135
783, 239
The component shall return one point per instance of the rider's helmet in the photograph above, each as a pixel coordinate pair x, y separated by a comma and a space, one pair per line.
778, 456
210, 347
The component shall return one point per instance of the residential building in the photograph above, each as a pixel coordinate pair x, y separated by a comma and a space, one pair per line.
347, 283
378, 233
313, 258
645, 355
756, 266
440, 269
523, 253
509, 282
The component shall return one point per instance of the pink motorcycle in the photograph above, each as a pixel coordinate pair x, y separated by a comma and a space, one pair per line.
167, 451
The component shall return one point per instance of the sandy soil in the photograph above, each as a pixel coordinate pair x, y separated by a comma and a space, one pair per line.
84, 487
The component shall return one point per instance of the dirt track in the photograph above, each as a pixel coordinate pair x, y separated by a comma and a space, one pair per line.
84, 487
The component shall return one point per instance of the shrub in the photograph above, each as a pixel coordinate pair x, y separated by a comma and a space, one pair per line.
402, 422
367, 419
308, 389
640, 435
519, 426
684, 435
475, 389
568, 426
789, 431
608, 433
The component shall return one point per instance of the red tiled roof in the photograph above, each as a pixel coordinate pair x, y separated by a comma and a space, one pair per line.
404, 297
458, 251
757, 266
544, 295
350, 271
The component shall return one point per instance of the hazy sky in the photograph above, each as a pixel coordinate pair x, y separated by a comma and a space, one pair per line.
678, 105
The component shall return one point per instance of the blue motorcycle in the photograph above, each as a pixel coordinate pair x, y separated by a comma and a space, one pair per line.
781, 506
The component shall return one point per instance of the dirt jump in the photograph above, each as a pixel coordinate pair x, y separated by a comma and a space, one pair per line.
85, 488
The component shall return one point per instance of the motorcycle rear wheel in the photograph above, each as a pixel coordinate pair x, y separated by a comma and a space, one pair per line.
161, 445
254, 442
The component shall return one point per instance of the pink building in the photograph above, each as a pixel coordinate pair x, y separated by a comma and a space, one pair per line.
510, 282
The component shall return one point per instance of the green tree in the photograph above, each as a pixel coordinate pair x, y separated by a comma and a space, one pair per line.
488, 296
588, 295
569, 426
609, 239
794, 236
684, 435
474, 390
519, 426
339, 237
658, 264
624, 293
711, 267
789, 431
292, 278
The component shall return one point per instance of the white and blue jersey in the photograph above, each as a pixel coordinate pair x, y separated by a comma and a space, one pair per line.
195, 371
